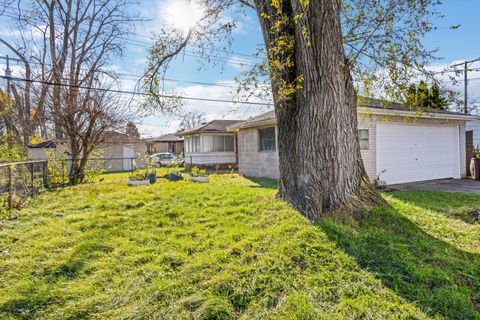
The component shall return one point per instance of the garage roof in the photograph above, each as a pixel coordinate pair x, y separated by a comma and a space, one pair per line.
365, 106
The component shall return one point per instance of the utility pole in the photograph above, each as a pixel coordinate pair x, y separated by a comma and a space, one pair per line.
465, 79
8, 71
8, 74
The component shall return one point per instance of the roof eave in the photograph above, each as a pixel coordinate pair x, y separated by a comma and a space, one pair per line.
253, 124
418, 114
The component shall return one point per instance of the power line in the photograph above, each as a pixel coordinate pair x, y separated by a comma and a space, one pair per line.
465, 75
137, 76
135, 93
194, 54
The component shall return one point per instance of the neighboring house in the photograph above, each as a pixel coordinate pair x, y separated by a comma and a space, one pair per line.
397, 144
474, 127
167, 143
119, 151
211, 145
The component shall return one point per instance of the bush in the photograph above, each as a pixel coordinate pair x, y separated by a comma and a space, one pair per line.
9, 151
57, 168
196, 172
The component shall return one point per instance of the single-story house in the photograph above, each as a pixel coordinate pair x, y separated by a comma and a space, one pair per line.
211, 145
397, 144
169, 142
118, 151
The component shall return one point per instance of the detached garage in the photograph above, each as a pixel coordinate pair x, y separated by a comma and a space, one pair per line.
397, 144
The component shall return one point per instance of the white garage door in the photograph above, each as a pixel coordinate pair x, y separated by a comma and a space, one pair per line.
410, 153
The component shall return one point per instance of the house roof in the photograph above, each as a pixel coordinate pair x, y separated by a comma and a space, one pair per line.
169, 137
110, 137
211, 126
45, 144
116, 136
365, 106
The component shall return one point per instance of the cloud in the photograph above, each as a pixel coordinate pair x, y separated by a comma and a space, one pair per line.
212, 110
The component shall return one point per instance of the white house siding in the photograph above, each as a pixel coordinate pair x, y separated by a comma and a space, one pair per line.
265, 164
210, 159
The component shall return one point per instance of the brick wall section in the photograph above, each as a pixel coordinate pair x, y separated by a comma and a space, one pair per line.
253, 163
369, 156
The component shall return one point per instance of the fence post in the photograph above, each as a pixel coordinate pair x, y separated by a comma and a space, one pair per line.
10, 187
32, 177
45, 174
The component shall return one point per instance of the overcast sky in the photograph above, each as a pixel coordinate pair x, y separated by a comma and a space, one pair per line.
453, 46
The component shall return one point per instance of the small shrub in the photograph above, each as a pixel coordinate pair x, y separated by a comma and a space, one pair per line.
138, 175
196, 172
57, 168
4, 206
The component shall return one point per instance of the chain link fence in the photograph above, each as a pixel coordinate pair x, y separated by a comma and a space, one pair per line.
20, 180
24, 179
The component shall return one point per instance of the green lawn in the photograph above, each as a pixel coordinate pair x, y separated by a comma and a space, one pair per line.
228, 249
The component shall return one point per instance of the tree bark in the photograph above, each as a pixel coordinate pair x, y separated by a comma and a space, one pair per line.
321, 168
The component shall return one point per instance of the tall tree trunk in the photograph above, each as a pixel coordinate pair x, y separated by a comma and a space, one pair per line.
321, 168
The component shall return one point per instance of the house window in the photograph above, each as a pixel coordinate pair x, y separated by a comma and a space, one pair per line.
196, 144
229, 143
171, 147
207, 143
267, 141
151, 148
187, 144
218, 143
363, 139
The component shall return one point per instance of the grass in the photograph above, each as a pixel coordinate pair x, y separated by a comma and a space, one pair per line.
229, 250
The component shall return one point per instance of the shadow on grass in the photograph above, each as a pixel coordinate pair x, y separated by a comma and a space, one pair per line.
440, 278
263, 183
453, 205
46, 290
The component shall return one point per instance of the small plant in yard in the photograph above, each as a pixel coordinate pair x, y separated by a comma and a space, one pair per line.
138, 175
57, 168
476, 152
198, 175
378, 182
4, 211
196, 172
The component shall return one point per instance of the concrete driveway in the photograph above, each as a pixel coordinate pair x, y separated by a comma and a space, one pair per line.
449, 185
